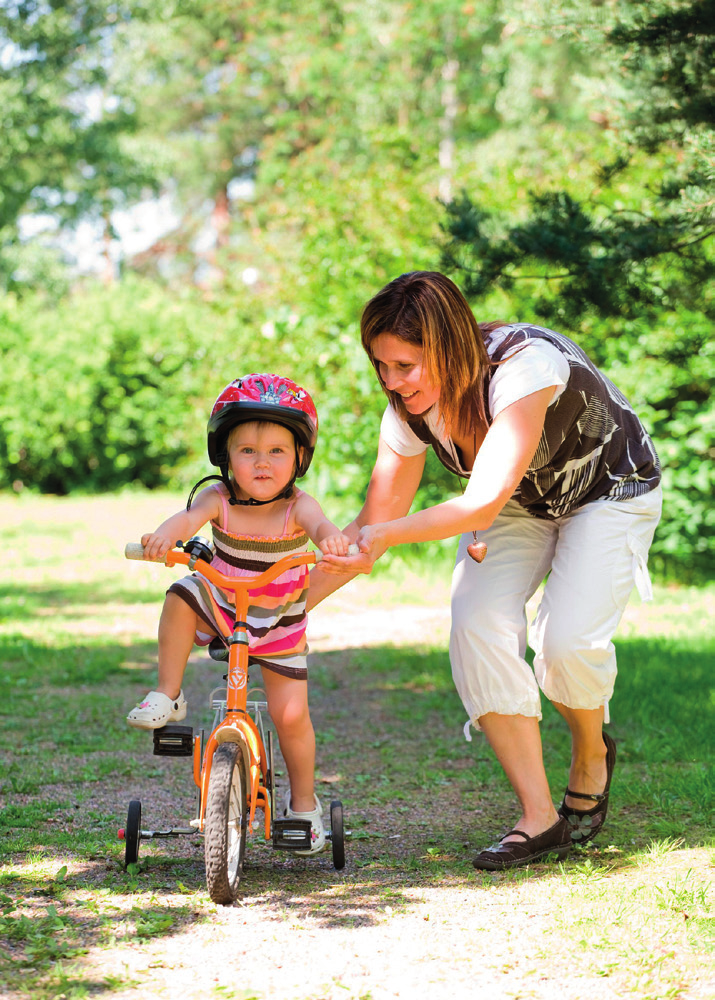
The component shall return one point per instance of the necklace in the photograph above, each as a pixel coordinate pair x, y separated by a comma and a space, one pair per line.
476, 550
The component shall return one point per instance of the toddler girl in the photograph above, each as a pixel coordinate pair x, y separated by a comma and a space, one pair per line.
261, 435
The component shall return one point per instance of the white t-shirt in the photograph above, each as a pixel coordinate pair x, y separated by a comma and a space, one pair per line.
536, 366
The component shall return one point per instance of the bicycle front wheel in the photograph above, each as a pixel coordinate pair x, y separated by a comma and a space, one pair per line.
225, 824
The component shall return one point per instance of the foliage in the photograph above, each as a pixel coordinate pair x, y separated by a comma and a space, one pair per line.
64, 154
614, 262
97, 396
306, 157
123, 381
628, 269
666, 370
608, 253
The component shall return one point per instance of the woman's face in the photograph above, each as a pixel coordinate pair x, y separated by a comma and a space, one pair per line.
402, 369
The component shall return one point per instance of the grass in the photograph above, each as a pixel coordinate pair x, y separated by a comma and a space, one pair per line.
633, 911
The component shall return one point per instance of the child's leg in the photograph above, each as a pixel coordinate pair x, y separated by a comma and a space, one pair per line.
288, 707
177, 627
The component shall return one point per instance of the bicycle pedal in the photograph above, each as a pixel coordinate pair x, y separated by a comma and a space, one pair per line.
292, 834
174, 741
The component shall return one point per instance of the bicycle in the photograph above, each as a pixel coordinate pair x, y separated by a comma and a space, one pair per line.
233, 769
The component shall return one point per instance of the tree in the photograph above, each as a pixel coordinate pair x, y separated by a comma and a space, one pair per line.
301, 104
62, 155
610, 254
629, 268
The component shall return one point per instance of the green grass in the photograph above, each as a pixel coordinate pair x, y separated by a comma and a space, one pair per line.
77, 627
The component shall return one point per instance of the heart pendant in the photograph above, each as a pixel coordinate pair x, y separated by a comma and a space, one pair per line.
477, 550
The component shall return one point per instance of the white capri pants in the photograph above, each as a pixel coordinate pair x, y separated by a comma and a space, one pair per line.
595, 555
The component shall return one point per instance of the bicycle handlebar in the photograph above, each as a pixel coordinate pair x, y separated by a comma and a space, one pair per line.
135, 550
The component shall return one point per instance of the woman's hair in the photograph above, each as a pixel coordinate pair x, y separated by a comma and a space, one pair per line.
426, 309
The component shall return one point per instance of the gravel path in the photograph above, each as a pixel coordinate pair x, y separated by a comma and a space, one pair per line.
397, 922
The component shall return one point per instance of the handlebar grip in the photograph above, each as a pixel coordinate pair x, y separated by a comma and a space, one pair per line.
135, 550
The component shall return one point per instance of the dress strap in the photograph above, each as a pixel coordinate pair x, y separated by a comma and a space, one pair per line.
290, 508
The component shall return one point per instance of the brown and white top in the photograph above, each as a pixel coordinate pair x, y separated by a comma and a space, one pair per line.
593, 446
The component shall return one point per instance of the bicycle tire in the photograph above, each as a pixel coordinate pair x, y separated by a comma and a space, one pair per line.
337, 834
225, 823
271, 778
133, 833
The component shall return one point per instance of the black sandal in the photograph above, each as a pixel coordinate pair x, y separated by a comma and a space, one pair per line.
556, 840
584, 824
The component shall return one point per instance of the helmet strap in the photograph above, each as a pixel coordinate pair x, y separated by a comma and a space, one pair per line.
234, 501
206, 479
285, 494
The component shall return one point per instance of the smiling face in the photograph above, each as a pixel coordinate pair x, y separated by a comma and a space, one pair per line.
262, 458
402, 369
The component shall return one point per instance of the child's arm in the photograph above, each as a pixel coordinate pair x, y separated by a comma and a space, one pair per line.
309, 516
182, 525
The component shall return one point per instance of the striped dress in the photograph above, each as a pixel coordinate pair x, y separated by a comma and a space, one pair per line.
276, 614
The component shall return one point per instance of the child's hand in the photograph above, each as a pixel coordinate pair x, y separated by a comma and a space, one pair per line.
335, 545
156, 545
371, 543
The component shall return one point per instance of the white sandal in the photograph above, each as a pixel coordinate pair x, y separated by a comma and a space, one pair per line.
157, 710
317, 832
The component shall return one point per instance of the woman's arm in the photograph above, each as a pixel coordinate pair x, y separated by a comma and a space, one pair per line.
182, 525
392, 488
502, 461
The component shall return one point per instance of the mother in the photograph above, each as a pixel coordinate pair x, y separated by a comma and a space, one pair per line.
562, 479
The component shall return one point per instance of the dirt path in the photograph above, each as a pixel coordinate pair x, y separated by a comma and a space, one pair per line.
408, 917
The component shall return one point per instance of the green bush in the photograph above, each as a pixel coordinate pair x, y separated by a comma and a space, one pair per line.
666, 371
113, 388
98, 392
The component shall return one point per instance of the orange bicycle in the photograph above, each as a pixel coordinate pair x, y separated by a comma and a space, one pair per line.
233, 769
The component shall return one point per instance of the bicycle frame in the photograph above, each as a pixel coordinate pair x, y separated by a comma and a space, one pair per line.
237, 726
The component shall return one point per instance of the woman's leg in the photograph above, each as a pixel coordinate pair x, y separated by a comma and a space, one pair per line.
516, 741
601, 552
588, 752
288, 707
487, 647
177, 628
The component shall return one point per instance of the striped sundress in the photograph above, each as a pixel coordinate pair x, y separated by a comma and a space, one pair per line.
276, 615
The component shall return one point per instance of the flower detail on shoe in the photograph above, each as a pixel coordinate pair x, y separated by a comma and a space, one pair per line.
585, 824
582, 826
157, 710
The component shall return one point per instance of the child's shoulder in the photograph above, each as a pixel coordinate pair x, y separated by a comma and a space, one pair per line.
210, 497
302, 499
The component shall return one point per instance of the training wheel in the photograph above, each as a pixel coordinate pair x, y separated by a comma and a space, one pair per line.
132, 833
337, 834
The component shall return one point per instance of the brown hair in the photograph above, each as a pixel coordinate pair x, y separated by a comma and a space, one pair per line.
426, 309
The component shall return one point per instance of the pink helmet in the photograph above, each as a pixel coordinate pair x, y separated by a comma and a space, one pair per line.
270, 398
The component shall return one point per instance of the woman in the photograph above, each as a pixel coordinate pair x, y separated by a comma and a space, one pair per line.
562, 479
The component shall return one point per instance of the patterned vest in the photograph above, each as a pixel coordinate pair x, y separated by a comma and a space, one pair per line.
593, 446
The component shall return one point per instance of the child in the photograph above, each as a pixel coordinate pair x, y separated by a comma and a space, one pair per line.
261, 435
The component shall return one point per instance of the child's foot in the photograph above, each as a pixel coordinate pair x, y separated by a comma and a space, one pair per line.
317, 832
157, 710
